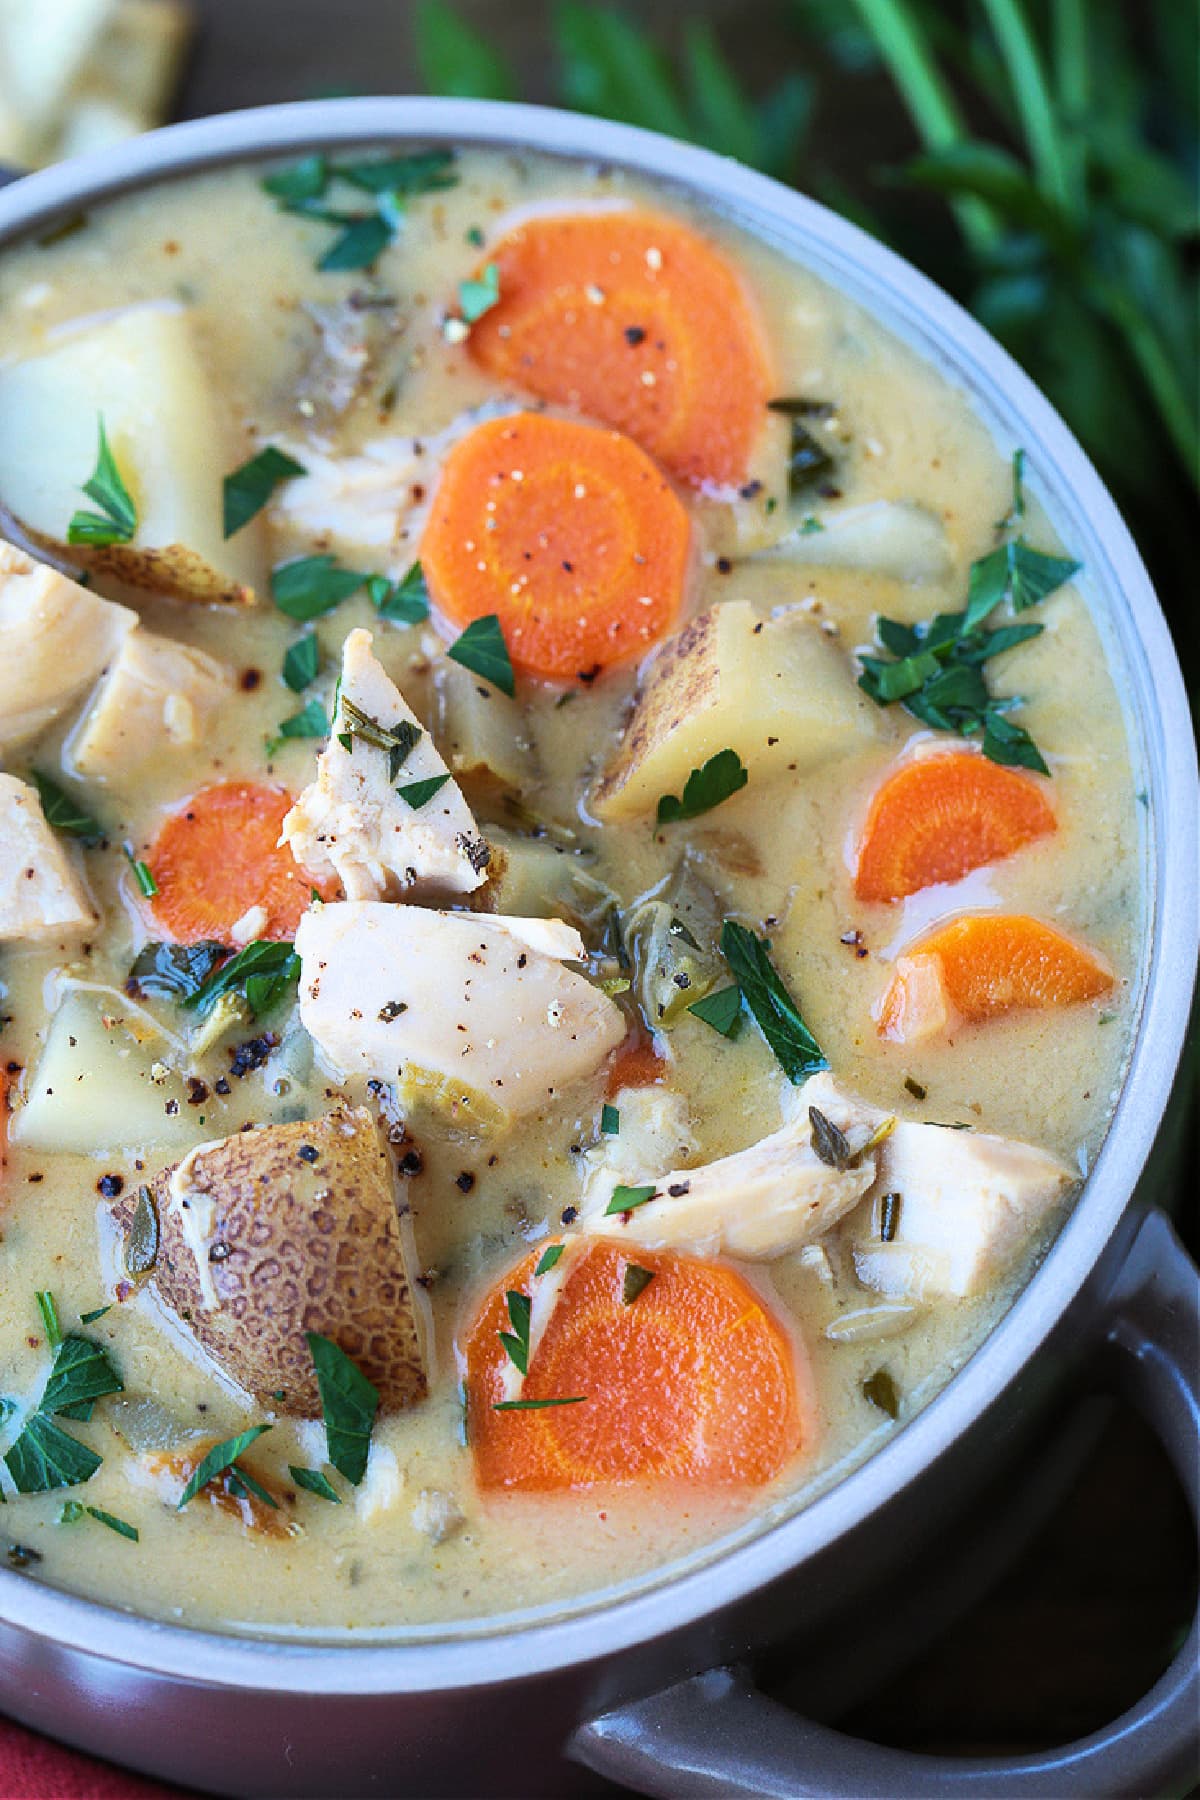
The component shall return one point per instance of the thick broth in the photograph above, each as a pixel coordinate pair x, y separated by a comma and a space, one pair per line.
778, 854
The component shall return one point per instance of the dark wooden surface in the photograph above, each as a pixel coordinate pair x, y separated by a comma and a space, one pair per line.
1090, 1616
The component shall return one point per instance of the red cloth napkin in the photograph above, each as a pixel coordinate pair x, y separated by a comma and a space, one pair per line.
32, 1768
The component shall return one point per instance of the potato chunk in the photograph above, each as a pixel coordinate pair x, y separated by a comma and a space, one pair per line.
773, 689
270, 1234
481, 1003
55, 638
158, 696
41, 896
353, 825
482, 732
140, 370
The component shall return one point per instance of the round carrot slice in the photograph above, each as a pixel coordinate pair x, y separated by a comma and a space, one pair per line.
981, 966
218, 857
938, 817
638, 321
692, 1378
567, 533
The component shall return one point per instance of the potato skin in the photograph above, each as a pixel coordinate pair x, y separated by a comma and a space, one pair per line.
305, 1236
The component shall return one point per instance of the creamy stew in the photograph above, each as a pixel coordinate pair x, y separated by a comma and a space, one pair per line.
555, 979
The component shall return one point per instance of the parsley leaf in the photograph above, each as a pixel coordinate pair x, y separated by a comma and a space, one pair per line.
302, 664
775, 1012
263, 971
550, 1255
303, 186
610, 1120
361, 243
722, 1010
478, 296
307, 586
49, 1313
303, 180
406, 601
625, 1199
721, 776
82, 1373
349, 1402
516, 1341
636, 1281
314, 1482
537, 1405
63, 813
399, 740
419, 793
45, 1457
482, 649
143, 874
311, 721
1014, 572
122, 1527
116, 521
222, 1456
417, 172
247, 489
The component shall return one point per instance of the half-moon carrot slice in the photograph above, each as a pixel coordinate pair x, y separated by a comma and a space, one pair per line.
634, 319
691, 1378
217, 858
567, 533
983, 965
938, 817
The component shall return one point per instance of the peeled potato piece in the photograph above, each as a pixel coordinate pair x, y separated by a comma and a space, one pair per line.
270, 1234
773, 689
55, 638
41, 896
140, 370
157, 696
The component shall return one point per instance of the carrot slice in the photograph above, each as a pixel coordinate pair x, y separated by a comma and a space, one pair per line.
692, 1379
218, 857
938, 817
638, 321
981, 966
635, 1063
568, 533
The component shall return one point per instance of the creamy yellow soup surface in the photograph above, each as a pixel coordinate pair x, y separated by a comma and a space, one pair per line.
327, 364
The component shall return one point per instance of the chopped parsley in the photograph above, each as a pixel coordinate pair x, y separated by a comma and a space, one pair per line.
551, 1255
302, 664
478, 295
635, 1282
405, 602
722, 1010
116, 521
262, 972
349, 1403
73, 1510
775, 1012
516, 1341
43, 1456
142, 873
625, 1199
312, 721
829, 1141
49, 1312
610, 1120
537, 1405
63, 813
303, 188
247, 489
716, 780
314, 1482
398, 740
420, 793
307, 586
222, 1456
482, 649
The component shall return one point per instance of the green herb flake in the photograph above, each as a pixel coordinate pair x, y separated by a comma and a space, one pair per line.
775, 1012
537, 1405
142, 1240
81, 1374
263, 972
97, 1312
399, 740
636, 1280
625, 1199
247, 489
116, 521
312, 721
314, 1482
49, 1312
45, 1457
122, 1527
305, 587
516, 1341
349, 1403
478, 295
64, 813
142, 873
404, 602
610, 1120
222, 1456
722, 1010
482, 649
71, 1512
720, 777
420, 793
174, 971
303, 180
829, 1141
302, 664
550, 1256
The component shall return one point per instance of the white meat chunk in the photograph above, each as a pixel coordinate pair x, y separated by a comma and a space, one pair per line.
41, 896
967, 1203
353, 825
760, 1203
55, 638
157, 696
461, 1003
774, 689
356, 504
655, 1133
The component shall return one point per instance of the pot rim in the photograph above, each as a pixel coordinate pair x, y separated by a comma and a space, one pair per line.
1156, 709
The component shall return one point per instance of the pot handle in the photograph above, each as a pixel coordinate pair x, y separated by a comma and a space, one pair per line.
716, 1734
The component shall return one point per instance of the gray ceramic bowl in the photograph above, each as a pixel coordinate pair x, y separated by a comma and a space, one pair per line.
638, 1685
